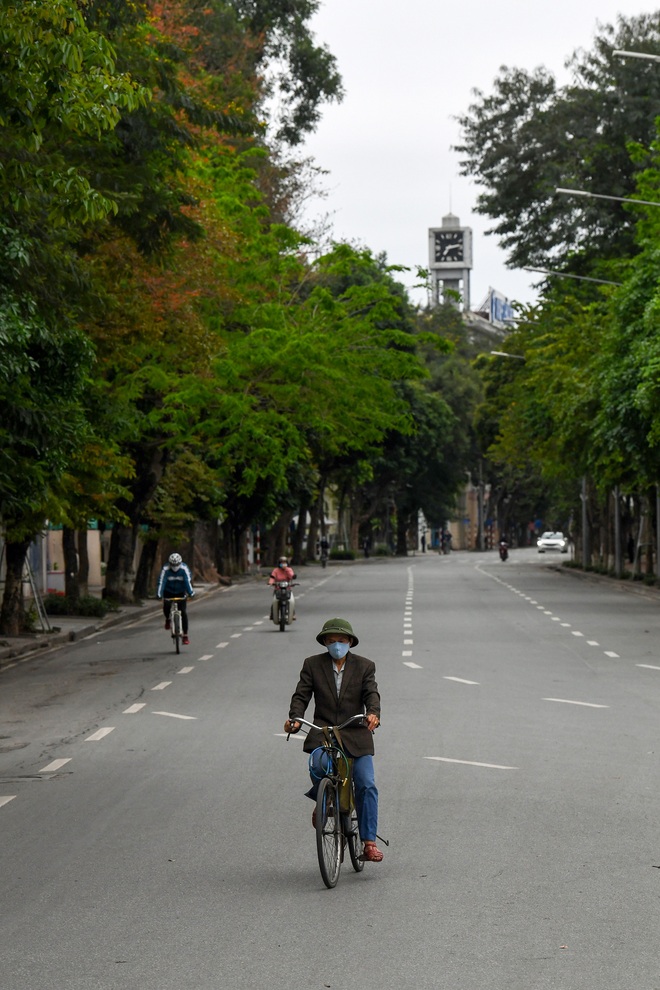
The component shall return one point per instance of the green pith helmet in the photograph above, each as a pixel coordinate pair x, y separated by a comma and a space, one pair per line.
340, 626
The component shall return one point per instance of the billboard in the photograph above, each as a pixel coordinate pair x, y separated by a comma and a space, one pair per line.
501, 309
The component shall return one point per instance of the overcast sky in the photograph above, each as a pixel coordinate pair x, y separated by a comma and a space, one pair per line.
408, 70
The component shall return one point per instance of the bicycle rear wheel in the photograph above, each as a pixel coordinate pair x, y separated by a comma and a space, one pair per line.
351, 831
328, 832
176, 630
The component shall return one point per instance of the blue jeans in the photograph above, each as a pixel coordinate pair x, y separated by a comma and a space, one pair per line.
366, 796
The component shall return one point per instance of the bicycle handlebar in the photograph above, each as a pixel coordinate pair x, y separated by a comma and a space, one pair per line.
312, 725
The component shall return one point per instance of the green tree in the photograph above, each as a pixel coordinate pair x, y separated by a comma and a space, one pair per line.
530, 136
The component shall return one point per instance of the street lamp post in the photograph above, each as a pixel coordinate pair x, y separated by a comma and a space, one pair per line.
645, 55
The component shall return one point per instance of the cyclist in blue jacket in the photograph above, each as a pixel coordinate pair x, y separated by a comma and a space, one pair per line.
175, 581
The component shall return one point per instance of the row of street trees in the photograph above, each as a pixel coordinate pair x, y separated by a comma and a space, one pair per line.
175, 347
581, 413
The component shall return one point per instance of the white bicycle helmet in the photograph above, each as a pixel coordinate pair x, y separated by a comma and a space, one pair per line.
176, 559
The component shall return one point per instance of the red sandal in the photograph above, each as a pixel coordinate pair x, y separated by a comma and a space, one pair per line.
372, 853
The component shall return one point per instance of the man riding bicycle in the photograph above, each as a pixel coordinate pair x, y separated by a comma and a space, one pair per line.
175, 581
343, 683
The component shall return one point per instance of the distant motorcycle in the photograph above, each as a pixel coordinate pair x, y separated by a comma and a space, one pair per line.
280, 612
504, 550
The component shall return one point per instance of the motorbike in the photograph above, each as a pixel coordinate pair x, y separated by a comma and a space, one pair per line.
280, 611
504, 550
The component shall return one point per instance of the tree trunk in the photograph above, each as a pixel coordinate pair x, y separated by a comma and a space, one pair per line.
145, 568
401, 531
313, 533
71, 589
12, 613
299, 535
120, 575
83, 562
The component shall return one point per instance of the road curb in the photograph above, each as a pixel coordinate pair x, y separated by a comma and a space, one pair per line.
633, 587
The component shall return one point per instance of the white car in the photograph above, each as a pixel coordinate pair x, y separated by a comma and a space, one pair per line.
552, 541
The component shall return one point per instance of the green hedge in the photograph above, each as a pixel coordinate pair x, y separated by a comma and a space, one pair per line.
342, 555
86, 605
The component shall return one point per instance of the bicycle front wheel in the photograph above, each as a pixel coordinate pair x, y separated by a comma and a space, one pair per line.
328, 832
176, 630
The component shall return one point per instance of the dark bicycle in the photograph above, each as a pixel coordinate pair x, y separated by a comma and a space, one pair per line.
335, 815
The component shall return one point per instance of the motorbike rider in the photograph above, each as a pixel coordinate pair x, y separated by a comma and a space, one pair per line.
175, 581
504, 548
283, 572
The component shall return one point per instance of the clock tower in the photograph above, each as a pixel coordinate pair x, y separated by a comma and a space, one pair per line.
450, 259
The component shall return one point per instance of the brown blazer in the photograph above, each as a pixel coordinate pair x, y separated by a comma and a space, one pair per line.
359, 693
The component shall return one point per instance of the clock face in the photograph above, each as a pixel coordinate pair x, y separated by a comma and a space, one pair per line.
449, 245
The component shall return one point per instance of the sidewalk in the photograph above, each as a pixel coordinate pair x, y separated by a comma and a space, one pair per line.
69, 628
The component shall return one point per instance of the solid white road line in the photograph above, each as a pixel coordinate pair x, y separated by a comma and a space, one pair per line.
567, 701
459, 680
100, 734
191, 718
6, 799
185, 670
161, 686
134, 709
470, 763
55, 765
413, 666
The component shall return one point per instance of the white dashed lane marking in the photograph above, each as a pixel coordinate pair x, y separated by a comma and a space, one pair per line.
221, 646
584, 704
207, 656
648, 666
134, 709
564, 625
459, 680
55, 765
5, 799
100, 734
470, 763
188, 718
413, 666
161, 686
185, 670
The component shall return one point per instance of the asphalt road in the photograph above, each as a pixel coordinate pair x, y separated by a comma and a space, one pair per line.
517, 764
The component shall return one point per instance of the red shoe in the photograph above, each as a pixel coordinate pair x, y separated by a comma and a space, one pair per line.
371, 853
185, 641
168, 624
